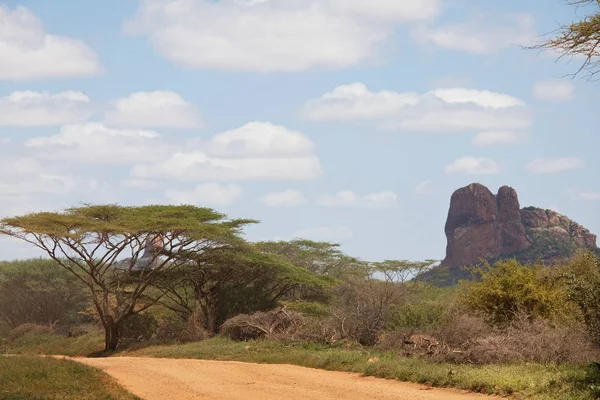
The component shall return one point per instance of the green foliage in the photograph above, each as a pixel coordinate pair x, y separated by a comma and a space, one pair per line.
308, 308
321, 258
509, 289
41, 292
37, 378
582, 280
232, 279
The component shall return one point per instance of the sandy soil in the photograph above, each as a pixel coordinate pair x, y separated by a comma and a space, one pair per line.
158, 379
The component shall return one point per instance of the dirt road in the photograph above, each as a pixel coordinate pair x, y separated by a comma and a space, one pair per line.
158, 379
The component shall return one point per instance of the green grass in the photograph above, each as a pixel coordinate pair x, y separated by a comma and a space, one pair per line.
54, 344
520, 381
37, 378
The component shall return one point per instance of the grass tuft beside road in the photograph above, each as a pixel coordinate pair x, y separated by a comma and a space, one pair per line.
38, 378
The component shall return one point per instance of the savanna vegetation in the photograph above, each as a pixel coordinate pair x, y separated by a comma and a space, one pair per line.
169, 281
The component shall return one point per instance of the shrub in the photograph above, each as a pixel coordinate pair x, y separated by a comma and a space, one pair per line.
138, 327
509, 289
582, 280
33, 329
275, 324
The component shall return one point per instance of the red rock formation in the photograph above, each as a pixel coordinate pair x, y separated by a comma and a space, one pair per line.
481, 225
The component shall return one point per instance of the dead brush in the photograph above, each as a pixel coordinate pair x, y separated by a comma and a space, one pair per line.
277, 324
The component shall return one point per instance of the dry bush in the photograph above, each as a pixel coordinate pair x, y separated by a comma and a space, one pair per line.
33, 329
277, 324
467, 339
408, 344
535, 341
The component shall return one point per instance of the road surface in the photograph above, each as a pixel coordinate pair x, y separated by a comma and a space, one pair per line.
167, 379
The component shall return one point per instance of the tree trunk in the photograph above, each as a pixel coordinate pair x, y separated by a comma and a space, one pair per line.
211, 306
111, 334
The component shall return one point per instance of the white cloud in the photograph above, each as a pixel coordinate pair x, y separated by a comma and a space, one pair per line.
94, 143
485, 139
440, 110
23, 176
208, 194
239, 35
554, 164
424, 188
29, 108
5, 140
483, 34
27, 52
473, 166
260, 139
350, 199
554, 90
153, 109
288, 198
325, 233
138, 184
256, 151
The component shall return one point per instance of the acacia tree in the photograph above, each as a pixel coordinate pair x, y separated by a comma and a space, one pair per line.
103, 246
321, 258
212, 284
580, 38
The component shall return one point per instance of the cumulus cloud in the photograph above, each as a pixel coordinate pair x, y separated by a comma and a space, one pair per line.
153, 109
440, 110
288, 198
256, 151
554, 164
554, 90
261, 139
23, 176
348, 198
27, 108
326, 233
27, 52
483, 34
94, 143
501, 138
424, 188
473, 166
208, 194
238, 35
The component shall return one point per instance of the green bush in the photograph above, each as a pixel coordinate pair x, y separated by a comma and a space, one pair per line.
509, 289
581, 278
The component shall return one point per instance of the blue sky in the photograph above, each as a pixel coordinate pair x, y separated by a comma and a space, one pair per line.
338, 120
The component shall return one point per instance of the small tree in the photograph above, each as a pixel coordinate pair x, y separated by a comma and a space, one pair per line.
582, 280
509, 289
107, 248
363, 306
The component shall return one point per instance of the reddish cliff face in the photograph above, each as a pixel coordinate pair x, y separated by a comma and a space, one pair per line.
483, 225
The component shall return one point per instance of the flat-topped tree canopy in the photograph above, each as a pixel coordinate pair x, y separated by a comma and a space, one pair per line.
103, 244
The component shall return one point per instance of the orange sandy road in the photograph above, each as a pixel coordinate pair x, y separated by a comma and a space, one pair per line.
172, 379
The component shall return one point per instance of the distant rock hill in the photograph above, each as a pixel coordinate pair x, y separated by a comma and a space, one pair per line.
483, 225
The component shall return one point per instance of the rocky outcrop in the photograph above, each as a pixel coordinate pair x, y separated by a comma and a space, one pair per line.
483, 225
